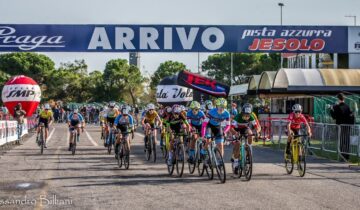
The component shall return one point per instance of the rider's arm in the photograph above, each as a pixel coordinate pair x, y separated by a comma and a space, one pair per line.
290, 119
307, 126
143, 121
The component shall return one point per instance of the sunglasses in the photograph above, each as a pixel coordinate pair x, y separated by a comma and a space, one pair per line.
297, 112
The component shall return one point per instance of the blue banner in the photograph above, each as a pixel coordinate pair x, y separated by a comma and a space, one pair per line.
173, 38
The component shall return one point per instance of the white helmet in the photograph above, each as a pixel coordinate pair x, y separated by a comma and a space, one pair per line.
125, 111
47, 106
111, 104
150, 106
76, 111
297, 108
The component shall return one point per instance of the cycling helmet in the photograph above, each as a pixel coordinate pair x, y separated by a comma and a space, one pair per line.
150, 106
195, 105
125, 111
221, 102
47, 106
176, 109
76, 111
246, 109
208, 104
183, 108
168, 109
112, 104
297, 108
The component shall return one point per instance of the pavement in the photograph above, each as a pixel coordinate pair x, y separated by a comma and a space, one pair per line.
91, 179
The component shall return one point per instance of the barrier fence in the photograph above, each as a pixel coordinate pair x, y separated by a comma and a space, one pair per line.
344, 140
10, 130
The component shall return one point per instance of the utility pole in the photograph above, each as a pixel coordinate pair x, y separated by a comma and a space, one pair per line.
281, 5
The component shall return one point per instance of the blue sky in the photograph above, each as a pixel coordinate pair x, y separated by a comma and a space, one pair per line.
204, 12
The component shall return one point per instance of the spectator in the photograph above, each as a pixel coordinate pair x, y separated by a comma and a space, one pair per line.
19, 115
342, 114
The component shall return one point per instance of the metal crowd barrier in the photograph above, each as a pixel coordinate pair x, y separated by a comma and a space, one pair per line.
9, 130
344, 140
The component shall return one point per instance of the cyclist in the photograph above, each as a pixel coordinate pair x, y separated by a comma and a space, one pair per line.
75, 121
46, 117
165, 116
176, 122
213, 123
295, 119
195, 117
149, 121
241, 125
208, 106
110, 114
124, 122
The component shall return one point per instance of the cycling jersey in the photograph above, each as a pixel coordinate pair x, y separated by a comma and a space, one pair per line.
123, 123
195, 120
176, 123
234, 112
216, 119
296, 121
45, 114
111, 113
75, 121
150, 118
240, 123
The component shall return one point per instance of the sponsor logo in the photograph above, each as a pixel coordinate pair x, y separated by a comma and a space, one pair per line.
292, 44
9, 39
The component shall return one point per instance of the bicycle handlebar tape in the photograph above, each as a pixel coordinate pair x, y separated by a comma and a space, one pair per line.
203, 128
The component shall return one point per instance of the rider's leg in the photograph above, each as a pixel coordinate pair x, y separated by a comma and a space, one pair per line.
117, 143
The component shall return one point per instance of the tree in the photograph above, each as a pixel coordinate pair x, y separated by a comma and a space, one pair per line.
165, 69
218, 66
37, 66
134, 82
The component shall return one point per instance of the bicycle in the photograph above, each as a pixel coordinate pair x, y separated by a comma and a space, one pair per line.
166, 138
150, 148
123, 154
245, 159
211, 158
297, 155
41, 141
179, 156
76, 139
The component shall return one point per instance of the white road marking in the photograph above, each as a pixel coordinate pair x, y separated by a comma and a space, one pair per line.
49, 137
91, 139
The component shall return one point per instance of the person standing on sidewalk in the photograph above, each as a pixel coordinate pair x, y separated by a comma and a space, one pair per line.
19, 115
342, 114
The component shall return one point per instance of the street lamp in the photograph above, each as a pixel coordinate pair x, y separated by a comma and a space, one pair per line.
352, 16
280, 4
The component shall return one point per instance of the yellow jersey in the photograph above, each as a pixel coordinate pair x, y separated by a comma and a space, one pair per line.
150, 118
46, 114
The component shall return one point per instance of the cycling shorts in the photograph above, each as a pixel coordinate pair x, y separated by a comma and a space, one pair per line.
217, 131
45, 121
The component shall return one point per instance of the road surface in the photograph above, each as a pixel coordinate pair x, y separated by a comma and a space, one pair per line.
92, 180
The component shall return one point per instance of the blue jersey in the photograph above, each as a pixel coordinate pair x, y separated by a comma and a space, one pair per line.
195, 119
121, 121
216, 119
81, 118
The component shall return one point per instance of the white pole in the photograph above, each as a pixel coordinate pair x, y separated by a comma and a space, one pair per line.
231, 74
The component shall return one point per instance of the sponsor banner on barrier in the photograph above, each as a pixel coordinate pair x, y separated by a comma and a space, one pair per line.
173, 38
9, 132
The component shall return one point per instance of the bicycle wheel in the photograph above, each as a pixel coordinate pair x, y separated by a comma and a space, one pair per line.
120, 155
180, 157
301, 165
153, 151
110, 143
192, 165
289, 162
41, 142
208, 167
220, 166
126, 158
248, 164
73, 147
148, 148
170, 167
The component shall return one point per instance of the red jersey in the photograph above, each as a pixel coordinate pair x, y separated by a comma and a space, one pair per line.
296, 122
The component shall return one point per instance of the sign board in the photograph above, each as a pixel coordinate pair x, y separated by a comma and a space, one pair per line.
178, 38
